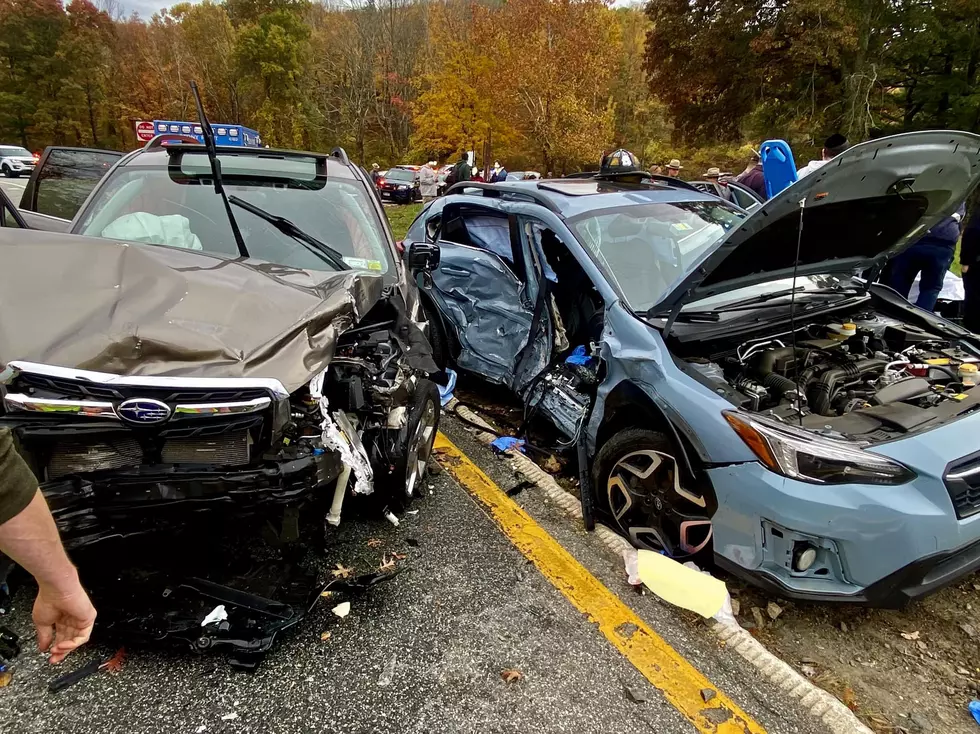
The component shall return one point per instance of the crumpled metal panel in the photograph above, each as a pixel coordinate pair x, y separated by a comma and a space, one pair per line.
97, 304
482, 298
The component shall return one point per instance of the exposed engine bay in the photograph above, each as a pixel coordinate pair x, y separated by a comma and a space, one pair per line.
867, 376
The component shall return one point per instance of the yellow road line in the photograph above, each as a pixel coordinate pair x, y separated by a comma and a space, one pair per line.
679, 681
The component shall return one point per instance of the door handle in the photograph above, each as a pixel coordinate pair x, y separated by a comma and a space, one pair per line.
450, 270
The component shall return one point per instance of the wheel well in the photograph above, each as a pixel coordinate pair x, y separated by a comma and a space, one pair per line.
628, 406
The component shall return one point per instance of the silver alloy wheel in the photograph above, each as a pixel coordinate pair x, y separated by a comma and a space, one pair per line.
420, 447
651, 507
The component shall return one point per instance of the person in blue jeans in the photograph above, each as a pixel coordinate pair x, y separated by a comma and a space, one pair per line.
929, 258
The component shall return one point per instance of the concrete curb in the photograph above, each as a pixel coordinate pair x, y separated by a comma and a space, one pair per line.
817, 702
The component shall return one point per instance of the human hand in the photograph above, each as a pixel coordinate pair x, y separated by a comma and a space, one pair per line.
964, 268
64, 617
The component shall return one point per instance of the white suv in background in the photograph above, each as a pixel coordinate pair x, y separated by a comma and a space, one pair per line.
15, 160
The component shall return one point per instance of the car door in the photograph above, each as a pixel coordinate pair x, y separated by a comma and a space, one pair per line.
61, 182
480, 287
744, 197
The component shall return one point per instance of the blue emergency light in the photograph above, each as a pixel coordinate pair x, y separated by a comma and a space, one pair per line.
233, 135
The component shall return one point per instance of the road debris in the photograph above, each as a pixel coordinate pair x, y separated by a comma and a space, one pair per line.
707, 694
375, 543
511, 675
843, 626
6, 675
773, 610
387, 564
634, 695
340, 571
218, 614
388, 673
390, 516
969, 629
808, 670
911, 635
324, 636
342, 609
974, 708
229, 717
507, 443
760, 621
113, 664
201, 729
683, 586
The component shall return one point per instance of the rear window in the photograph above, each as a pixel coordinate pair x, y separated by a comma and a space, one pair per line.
400, 174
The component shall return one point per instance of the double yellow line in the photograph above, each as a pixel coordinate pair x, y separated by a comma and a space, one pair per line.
680, 682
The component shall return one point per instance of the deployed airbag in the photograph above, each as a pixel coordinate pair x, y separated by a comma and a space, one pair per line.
172, 230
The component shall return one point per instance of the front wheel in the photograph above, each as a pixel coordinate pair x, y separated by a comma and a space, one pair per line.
414, 445
638, 483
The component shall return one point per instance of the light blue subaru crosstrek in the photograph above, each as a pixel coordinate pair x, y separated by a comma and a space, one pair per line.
732, 382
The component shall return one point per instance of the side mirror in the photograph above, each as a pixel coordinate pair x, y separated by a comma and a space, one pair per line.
423, 256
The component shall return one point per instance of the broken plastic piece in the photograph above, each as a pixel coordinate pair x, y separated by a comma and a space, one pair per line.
342, 609
632, 564
391, 518
974, 708
579, 356
680, 585
339, 435
446, 391
218, 614
388, 673
229, 717
505, 443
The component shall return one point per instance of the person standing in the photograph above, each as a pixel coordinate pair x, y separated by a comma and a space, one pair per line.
929, 258
461, 171
674, 168
63, 614
375, 173
753, 177
713, 175
970, 267
832, 147
499, 173
428, 183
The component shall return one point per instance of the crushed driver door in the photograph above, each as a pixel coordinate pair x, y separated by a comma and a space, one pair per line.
480, 288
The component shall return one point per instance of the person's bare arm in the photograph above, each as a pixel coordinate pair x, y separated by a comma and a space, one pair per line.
63, 613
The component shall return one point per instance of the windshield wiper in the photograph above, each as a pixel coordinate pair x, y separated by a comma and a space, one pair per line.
762, 300
325, 251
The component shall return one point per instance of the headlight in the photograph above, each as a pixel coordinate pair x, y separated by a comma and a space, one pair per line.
402, 187
797, 454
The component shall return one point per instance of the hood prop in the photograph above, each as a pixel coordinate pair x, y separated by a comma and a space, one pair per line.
208, 134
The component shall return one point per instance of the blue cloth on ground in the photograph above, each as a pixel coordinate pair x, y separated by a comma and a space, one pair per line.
505, 443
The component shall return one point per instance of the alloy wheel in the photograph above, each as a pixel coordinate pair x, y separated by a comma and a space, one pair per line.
651, 507
420, 447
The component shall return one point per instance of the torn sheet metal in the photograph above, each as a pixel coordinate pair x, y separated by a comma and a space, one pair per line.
102, 305
340, 435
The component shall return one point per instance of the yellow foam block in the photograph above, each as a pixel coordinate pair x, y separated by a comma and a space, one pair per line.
681, 586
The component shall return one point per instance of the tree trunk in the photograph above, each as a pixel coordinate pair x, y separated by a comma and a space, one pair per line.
857, 84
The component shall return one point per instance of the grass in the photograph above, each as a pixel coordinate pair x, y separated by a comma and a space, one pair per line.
401, 217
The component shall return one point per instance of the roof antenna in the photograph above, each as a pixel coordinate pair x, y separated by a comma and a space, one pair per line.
219, 189
792, 316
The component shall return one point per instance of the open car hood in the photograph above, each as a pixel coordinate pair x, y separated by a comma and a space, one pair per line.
862, 207
108, 306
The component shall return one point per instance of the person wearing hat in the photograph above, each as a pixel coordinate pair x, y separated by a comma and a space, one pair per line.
713, 175
753, 177
375, 173
832, 147
674, 168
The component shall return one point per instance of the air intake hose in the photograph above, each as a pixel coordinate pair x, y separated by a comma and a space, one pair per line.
822, 390
765, 365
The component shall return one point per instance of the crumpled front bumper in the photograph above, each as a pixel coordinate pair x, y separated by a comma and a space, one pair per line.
136, 501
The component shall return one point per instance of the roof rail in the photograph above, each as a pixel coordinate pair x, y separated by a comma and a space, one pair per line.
340, 153
159, 141
638, 177
498, 190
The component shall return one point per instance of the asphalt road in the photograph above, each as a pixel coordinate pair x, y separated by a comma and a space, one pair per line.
14, 187
422, 653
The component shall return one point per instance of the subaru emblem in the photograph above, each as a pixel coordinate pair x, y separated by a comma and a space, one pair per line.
143, 411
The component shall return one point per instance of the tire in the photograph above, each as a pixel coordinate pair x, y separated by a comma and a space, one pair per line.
437, 335
414, 446
637, 483
13, 174
5, 170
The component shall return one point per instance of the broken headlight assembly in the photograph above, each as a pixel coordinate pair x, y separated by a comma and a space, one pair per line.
797, 454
